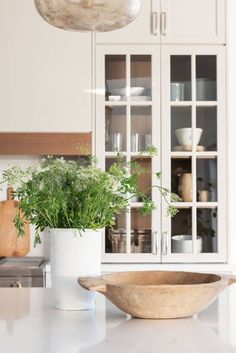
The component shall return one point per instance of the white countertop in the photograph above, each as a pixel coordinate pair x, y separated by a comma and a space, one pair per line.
30, 324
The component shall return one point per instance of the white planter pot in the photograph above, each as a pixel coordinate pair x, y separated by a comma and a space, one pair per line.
72, 255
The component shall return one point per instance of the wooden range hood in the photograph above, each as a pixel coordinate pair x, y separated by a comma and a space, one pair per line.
45, 143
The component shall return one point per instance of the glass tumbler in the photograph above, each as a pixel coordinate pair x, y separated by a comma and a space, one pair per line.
117, 141
135, 142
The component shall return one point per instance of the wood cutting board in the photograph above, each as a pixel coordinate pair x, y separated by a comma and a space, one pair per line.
10, 243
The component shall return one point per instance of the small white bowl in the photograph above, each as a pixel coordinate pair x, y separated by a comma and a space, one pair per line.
184, 136
137, 91
134, 91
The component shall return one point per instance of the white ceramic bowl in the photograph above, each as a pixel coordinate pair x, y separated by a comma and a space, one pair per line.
184, 136
137, 91
184, 244
134, 91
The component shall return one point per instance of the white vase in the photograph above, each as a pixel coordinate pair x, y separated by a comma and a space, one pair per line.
74, 255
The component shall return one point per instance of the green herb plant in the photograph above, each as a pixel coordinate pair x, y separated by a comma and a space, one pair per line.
58, 193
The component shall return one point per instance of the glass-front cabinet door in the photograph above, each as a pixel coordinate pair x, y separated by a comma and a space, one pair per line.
174, 98
193, 153
128, 121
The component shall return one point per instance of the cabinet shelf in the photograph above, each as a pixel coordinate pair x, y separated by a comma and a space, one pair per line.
128, 102
119, 103
114, 154
197, 204
190, 103
206, 154
111, 154
137, 154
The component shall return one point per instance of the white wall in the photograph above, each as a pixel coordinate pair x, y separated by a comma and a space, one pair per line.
232, 129
45, 73
45, 80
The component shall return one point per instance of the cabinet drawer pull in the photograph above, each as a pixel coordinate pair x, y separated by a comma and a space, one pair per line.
154, 243
155, 23
163, 23
164, 243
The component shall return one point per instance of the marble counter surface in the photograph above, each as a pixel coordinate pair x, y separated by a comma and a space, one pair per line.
30, 324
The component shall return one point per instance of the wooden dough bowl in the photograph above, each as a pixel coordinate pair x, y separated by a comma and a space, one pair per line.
159, 294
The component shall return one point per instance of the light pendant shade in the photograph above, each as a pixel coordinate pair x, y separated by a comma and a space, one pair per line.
89, 15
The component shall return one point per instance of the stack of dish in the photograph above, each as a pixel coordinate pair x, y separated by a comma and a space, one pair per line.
136, 94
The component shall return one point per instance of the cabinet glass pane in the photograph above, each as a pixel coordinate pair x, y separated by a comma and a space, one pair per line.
181, 232
181, 178
144, 180
141, 82
206, 78
207, 229
115, 238
141, 241
180, 86
207, 180
207, 121
141, 128
181, 129
115, 77
115, 134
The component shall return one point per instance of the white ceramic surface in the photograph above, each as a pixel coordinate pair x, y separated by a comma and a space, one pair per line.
42, 329
184, 244
184, 135
73, 255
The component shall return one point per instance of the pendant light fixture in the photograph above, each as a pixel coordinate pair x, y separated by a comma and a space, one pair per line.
89, 15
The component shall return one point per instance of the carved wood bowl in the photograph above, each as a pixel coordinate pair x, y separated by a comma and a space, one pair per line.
159, 294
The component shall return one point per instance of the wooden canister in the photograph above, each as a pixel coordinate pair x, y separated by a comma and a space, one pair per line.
185, 189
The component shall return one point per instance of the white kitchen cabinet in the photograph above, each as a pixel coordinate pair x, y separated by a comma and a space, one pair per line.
45, 73
179, 87
174, 21
193, 21
144, 29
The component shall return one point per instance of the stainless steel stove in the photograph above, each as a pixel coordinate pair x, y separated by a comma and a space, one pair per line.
22, 271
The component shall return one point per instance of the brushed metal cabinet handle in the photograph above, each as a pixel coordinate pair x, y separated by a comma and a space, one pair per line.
163, 23
155, 23
164, 243
154, 243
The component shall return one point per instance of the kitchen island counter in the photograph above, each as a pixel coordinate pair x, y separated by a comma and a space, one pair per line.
30, 324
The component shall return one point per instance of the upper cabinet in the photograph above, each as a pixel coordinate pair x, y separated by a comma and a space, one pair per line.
174, 98
173, 22
45, 73
191, 21
144, 29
